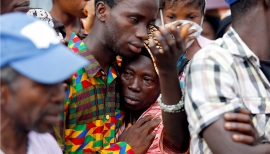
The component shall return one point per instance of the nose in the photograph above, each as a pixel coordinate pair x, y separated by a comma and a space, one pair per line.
142, 32
134, 85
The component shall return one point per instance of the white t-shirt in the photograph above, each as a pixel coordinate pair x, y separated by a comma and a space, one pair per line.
41, 144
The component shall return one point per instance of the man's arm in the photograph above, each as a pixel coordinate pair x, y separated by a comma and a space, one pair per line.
241, 122
220, 141
166, 62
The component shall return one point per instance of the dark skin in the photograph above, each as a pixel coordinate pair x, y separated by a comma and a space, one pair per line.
121, 30
140, 89
182, 11
258, 41
69, 12
27, 105
168, 79
140, 86
241, 122
8, 6
172, 49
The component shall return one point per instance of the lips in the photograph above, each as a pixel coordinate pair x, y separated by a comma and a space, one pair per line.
131, 100
136, 47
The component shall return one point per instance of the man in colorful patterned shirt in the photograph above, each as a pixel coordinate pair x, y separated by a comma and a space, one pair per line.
229, 75
92, 107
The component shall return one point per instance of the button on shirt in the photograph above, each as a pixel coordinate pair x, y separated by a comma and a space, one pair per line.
224, 77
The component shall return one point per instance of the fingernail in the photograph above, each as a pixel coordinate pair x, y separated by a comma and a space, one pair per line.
151, 43
235, 137
227, 115
228, 125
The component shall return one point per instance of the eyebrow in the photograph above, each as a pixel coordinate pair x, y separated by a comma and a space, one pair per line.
145, 73
138, 15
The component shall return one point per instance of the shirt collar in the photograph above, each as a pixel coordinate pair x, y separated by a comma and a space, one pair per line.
237, 47
93, 69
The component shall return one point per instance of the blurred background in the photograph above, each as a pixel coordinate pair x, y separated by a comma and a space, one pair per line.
215, 23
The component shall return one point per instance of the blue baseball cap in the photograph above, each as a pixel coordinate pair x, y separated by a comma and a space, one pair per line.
32, 48
230, 2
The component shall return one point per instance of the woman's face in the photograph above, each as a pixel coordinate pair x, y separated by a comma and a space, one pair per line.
140, 84
182, 11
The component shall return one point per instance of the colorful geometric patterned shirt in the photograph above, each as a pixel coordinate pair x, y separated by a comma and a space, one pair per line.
92, 109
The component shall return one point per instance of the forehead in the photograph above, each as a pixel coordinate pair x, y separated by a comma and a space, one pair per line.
141, 63
144, 7
182, 5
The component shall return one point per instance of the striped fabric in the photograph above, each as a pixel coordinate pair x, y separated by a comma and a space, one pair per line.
92, 108
224, 77
157, 147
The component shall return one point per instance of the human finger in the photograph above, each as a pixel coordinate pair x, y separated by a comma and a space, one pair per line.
149, 126
176, 24
191, 31
143, 120
166, 39
129, 125
154, 48
243, 139
240, 127
180, 36
239, 117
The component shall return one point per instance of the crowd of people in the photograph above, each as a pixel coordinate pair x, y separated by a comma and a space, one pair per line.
134, 77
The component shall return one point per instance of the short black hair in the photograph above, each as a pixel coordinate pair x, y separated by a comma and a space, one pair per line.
241, 7
201, 3
110, 3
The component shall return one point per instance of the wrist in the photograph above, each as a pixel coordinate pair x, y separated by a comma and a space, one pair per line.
168, 72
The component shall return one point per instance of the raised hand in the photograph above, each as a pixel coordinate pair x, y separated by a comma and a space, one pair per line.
173, 45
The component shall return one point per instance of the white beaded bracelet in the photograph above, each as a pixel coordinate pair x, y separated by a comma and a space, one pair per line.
171, 108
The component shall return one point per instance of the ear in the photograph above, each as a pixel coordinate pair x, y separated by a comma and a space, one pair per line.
5, 93
101, 10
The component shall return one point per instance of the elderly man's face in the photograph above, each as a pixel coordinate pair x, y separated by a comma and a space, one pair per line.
8, 6
33, 106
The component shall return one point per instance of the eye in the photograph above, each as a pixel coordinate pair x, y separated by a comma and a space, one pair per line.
127, 74
191, 17
170, 17
147, 80
134, 20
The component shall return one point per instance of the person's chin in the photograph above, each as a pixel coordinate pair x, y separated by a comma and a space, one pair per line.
44, 128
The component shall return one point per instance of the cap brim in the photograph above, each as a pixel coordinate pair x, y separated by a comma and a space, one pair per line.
51, 67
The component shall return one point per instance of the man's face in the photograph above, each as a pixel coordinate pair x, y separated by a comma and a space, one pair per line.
140, 84
73, 7
34, 106
127, 24
8, 6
